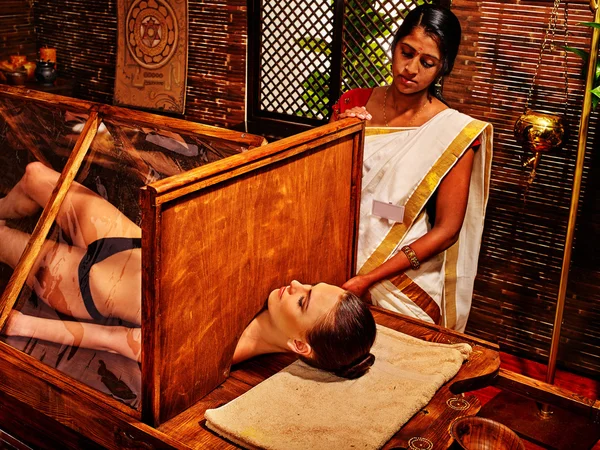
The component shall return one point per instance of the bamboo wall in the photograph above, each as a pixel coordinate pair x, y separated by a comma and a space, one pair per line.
17, 32
85, 35
519, 268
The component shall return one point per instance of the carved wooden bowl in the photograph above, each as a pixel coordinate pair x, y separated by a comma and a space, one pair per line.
478, 433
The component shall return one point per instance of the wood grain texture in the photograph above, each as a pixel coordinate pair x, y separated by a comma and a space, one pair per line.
127, 116
287, 213
59, 398
54, 394
547, 393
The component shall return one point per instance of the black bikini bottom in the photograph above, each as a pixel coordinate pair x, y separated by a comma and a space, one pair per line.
96, 252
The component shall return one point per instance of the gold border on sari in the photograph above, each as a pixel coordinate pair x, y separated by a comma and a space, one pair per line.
449, 302
417, 295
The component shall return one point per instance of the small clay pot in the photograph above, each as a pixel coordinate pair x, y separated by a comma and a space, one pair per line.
16, 78
45, 73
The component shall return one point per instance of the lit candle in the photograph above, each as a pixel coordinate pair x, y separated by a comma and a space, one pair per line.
18, 60
30, 68
48, 54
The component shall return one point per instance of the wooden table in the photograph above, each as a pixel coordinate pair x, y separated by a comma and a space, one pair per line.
428, 429
62, 86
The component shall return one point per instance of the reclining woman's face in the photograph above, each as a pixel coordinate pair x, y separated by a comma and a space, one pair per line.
295, 309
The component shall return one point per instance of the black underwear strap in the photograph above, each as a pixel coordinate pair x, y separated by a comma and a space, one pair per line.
96, 252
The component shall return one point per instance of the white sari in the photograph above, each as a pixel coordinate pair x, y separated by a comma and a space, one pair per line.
404, 167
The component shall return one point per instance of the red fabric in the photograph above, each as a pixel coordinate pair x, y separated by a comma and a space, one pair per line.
350, 99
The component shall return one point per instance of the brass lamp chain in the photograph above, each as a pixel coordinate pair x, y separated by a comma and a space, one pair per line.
550, 33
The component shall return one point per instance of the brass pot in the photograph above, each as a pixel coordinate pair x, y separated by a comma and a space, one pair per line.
540, 131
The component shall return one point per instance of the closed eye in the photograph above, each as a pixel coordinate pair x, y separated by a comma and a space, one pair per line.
301, 301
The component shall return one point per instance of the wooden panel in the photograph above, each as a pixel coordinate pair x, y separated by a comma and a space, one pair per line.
85, 35
521, 255
290, 214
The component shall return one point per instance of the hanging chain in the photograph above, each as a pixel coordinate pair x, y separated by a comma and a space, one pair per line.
565, 45
551, 32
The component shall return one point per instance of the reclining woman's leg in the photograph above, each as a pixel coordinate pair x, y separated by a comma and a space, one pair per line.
84, 215
115, 282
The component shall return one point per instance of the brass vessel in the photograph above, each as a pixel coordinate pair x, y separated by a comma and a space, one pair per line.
540, 131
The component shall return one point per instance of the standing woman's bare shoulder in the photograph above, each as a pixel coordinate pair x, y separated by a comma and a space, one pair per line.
375, 107
434, 107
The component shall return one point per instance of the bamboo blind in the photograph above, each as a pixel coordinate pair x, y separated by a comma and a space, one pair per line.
519, 268
85, 35
16, 29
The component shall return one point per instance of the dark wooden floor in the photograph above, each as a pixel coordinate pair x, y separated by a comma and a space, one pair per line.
575, 383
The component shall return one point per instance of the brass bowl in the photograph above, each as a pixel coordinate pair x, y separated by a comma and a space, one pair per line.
540, 131
478, 433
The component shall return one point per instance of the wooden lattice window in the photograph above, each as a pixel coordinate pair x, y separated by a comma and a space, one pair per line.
368, 34
304, 54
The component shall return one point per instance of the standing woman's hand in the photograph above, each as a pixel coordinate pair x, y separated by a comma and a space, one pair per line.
359, 112
358, 285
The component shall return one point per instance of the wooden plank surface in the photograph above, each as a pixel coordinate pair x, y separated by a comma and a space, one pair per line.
431, 423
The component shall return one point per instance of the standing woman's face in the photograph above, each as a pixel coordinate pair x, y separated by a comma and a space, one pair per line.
416, 62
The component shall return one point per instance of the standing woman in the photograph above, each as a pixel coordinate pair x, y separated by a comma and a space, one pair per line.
425, 179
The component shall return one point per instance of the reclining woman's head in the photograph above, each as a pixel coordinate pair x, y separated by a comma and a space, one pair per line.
327, 327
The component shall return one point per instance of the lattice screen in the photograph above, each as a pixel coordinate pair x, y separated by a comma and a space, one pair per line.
296, 51
368, 34
295, 56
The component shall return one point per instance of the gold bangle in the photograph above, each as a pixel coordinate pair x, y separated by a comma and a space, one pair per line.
412, 257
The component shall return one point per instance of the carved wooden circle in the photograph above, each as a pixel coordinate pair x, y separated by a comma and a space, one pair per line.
151, 32
420, 443
457, 403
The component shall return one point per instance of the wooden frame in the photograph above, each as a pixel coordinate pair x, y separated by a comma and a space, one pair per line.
95, 112
171, 208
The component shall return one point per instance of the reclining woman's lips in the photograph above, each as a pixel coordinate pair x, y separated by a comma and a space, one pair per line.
281, 290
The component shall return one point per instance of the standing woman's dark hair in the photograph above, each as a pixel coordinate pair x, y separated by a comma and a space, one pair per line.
341, 341
442, 26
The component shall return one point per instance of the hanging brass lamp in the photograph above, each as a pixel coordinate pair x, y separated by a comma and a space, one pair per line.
540, 131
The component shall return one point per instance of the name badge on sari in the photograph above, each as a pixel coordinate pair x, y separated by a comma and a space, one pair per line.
388, 211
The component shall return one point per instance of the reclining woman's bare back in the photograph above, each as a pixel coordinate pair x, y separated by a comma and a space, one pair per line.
99, 276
